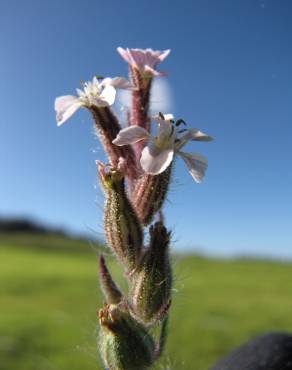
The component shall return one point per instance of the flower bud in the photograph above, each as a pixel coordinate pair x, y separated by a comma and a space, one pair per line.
149, 195
109, 288
123, 231
151, 282
108, 127
124, 343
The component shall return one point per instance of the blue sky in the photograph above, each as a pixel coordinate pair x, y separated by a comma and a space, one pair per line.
230, 71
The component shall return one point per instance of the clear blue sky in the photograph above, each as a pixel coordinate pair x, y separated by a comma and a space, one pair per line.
231, 74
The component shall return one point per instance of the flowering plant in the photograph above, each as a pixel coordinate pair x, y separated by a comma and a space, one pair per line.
135, 183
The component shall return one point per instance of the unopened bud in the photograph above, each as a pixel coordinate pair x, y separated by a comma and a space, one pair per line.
109, 288
108, 127
151, 283
123, 231
149, 195
125, 344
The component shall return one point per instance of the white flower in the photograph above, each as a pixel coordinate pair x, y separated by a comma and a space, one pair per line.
101, 93
160, 150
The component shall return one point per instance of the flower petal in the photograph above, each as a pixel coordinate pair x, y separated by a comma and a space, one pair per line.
138, 56
107, 97
166, 133
163, 55
155, 160
125, 54
196, 164
149, 71
117, 82
197, 135
193, 135
131, 135
65, 107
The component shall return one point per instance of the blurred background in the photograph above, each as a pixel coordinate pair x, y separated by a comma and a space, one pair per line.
229, 74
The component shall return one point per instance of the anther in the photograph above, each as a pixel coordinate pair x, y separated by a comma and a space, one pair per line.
179, 122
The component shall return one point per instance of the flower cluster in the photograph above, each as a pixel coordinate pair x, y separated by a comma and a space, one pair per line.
135, 184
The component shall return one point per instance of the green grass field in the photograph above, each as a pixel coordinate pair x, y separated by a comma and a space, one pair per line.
49, 297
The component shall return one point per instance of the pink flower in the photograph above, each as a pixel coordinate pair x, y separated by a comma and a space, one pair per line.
145, 60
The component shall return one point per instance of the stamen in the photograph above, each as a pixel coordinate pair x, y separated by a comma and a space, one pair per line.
183, 130
180, 121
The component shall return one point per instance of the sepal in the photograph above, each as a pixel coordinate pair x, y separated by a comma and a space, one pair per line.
123, 231
124, 343
151, 282
108, 127
149, 195
109, 288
